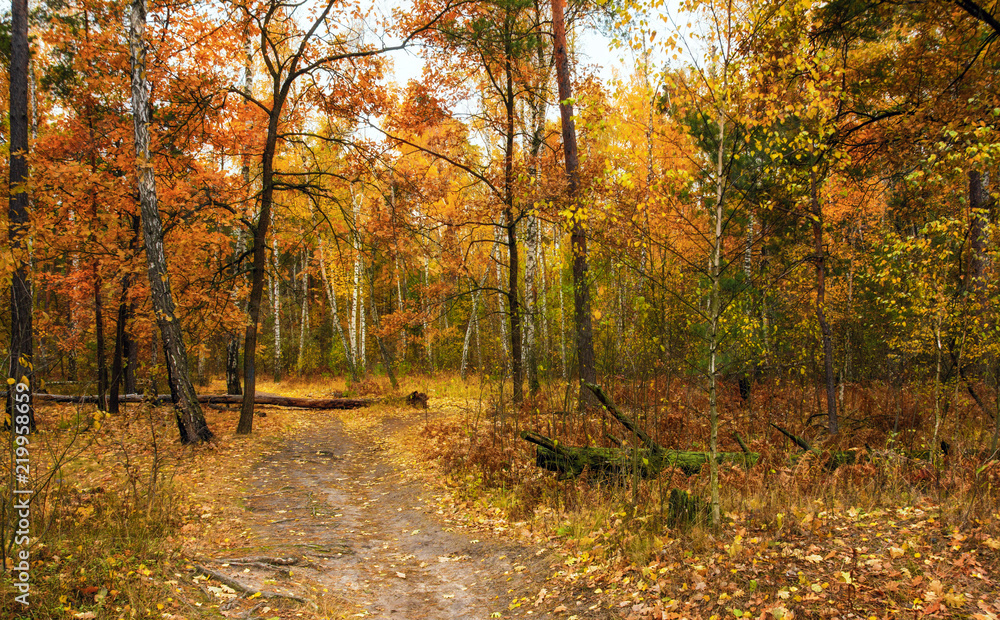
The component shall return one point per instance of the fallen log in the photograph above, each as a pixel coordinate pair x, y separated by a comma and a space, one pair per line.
571, 461
260, 399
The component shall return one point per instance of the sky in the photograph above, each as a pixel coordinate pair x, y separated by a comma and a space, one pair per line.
592, 48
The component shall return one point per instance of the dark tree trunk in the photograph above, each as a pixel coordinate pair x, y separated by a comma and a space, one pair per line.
190, 419
515, 308
102, 362
511, 222
536, 104
245, 425
125, 360
131, 354
233, 386
118, 362
20, 368
377, 322
979, 218
820, 261
578, 235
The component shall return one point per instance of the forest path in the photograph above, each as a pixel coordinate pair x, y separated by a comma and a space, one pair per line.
369, 534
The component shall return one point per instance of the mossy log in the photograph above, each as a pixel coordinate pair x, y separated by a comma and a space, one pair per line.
571, 461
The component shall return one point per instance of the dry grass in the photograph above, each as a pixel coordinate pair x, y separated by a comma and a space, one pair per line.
627, 525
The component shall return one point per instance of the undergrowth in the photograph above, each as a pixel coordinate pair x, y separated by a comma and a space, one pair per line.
617, 526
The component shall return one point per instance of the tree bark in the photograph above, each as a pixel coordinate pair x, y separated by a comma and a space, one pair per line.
578, 235
121, 364
510, 221
304, 319
233, 345
377, 322
118, 360
276, 307
20, 368
715, 316
979, 219
190, 419
820, 261
102, 362
245, 425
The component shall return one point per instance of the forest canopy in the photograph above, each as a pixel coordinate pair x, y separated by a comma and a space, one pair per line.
772, 192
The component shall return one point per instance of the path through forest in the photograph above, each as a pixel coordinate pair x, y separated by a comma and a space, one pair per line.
360, 528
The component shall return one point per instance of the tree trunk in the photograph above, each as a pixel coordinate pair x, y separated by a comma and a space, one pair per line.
119, 361
233, 366
531, 298
715, 315
501, 309
190, 419
562, 310
400, 302
331, 295
276, 308
233, 386
102, 362
131, 354
468, 333
578, 236
979, 219
820, 261
20, 370
377, 322
536, 104
304, 320
515, 310
511, 222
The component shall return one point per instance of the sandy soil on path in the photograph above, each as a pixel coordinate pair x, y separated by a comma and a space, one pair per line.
360, 530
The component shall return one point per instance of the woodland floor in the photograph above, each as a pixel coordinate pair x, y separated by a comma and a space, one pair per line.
339, 514
361, 525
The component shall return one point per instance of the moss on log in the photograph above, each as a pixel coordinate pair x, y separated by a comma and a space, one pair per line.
571, 461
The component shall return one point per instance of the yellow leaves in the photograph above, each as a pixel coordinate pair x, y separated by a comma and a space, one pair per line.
736, 547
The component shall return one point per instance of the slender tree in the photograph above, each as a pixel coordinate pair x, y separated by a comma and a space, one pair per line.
578, 234
190, 419
20, 369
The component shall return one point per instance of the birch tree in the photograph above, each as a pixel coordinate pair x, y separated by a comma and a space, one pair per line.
190, 419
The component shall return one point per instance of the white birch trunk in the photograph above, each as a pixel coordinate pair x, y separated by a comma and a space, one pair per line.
468, 333
190, 419
276, 307
498, 242
304, 320
425, 307
562, 307
400, 304
531, 299
357, 328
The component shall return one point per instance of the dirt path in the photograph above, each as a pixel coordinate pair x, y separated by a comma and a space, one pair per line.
361, 531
